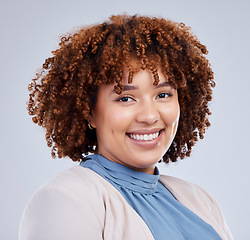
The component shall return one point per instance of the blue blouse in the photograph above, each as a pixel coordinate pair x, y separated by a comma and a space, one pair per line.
166, 217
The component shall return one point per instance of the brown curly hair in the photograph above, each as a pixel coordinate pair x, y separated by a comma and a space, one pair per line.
64, 91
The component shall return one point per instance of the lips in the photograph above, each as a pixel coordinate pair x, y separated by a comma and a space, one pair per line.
143, 135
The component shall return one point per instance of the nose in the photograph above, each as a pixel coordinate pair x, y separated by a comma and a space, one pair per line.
148, 112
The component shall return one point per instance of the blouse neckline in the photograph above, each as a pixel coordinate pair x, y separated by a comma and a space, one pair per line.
123, 176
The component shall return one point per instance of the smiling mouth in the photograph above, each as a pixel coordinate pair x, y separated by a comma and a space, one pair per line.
145, 137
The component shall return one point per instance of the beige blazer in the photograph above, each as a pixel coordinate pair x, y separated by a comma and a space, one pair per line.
79, 204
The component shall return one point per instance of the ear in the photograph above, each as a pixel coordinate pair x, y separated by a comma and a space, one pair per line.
91, 119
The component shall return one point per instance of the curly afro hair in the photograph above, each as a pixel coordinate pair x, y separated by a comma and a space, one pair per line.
64, 91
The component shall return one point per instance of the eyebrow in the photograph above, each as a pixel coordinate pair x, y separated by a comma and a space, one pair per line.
133, 87
129, 87
164, 84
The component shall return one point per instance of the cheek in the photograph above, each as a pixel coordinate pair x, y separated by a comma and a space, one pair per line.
171, 115
118, 119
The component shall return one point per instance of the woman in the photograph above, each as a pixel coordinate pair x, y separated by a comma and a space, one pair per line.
134, 91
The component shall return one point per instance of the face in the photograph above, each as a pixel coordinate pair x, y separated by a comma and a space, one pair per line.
137, 127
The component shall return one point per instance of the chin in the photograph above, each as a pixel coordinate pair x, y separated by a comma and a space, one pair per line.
145, 161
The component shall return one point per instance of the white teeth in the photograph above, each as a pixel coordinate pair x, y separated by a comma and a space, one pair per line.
144, 137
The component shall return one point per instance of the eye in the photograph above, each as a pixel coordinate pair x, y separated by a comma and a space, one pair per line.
164, 95
124, 99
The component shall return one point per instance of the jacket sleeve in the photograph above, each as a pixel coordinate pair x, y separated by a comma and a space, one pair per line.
62, 212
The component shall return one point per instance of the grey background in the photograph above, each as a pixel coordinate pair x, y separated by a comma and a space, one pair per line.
30, 29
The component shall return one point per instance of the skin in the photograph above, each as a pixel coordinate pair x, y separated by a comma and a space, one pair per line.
142, 109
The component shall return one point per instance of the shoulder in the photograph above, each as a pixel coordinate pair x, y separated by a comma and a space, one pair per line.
77, 204
61, 204
199, 201
184, 188
190, 194
71, 184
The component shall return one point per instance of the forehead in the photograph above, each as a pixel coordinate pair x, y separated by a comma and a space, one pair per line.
143, 81
138, 75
